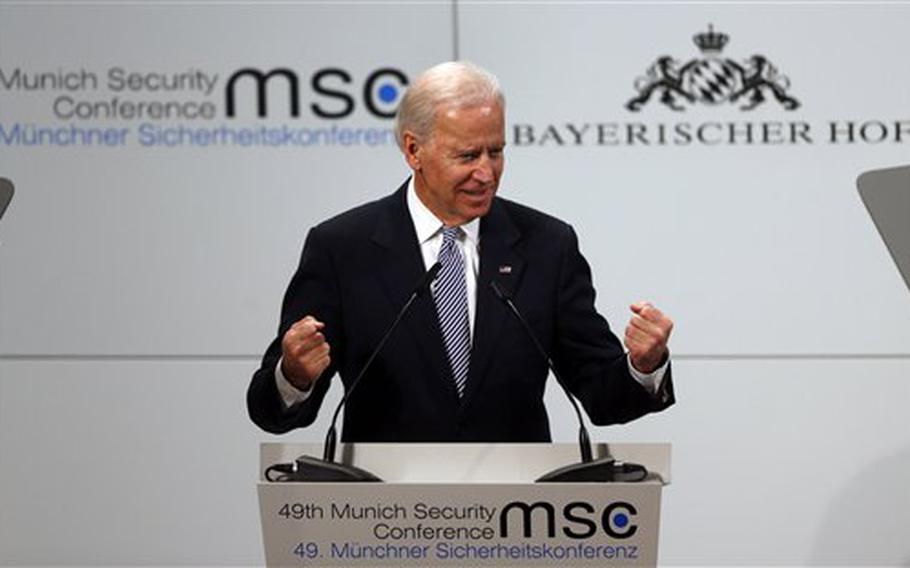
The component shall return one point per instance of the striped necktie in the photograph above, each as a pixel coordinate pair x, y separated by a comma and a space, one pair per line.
450, 294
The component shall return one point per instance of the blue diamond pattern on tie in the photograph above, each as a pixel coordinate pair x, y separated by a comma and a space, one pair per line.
450, 294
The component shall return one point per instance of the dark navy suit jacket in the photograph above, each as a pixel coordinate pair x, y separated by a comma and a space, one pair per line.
358, 269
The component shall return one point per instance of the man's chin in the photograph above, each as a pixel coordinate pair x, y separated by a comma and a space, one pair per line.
473, 211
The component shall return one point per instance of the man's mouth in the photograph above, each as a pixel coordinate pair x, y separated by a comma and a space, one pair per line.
481, 192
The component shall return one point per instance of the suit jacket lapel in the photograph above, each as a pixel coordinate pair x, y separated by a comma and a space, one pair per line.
402, 268
500, 262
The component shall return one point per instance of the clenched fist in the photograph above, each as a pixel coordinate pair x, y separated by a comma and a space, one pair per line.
646, 337
304, 353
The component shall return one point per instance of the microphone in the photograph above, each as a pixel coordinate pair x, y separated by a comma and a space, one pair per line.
6, 194
588, 469
309, 468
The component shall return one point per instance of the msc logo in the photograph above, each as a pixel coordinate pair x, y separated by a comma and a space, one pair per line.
712, 80
579, 519
333, 88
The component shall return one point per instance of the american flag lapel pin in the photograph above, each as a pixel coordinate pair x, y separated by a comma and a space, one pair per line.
505, 269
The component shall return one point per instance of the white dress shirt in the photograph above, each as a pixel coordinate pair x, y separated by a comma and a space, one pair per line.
429, 234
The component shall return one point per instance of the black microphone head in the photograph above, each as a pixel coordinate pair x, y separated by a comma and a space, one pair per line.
427, 279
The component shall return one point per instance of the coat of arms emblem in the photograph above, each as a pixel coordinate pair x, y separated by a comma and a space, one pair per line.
712, 79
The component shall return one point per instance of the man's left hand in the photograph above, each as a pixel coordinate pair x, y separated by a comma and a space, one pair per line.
646, 337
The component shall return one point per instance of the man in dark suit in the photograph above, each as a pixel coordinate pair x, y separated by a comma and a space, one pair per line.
459, 368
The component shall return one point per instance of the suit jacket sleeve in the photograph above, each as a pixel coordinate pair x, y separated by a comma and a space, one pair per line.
312, 291
588, 354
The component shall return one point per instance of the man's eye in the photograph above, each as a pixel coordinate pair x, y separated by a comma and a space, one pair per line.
469, 156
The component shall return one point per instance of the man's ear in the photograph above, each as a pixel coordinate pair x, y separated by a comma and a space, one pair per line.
412, 149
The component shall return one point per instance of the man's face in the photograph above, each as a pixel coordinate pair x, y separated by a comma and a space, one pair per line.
457, 171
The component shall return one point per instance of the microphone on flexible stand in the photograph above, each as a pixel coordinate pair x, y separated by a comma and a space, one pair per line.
588, 469
6, 194
309, 468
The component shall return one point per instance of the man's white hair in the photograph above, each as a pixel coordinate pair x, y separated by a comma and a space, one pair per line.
454, 83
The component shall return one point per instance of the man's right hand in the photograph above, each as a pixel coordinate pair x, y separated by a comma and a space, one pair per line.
304, 353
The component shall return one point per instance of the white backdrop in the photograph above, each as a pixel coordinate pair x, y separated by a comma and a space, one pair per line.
139, 284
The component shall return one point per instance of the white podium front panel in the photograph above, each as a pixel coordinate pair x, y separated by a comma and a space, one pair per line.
387, 524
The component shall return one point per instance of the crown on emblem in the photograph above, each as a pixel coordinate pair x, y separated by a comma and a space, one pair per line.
710, 41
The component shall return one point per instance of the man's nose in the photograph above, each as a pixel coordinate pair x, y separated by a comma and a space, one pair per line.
484, 170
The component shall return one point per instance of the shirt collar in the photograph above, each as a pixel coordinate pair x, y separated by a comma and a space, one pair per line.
427, 225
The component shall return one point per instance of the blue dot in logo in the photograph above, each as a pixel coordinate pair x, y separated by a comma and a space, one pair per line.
388, 93
620, 520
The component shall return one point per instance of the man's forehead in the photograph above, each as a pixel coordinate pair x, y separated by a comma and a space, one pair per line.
466, 126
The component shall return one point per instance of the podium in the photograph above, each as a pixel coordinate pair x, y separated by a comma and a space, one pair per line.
462, 504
